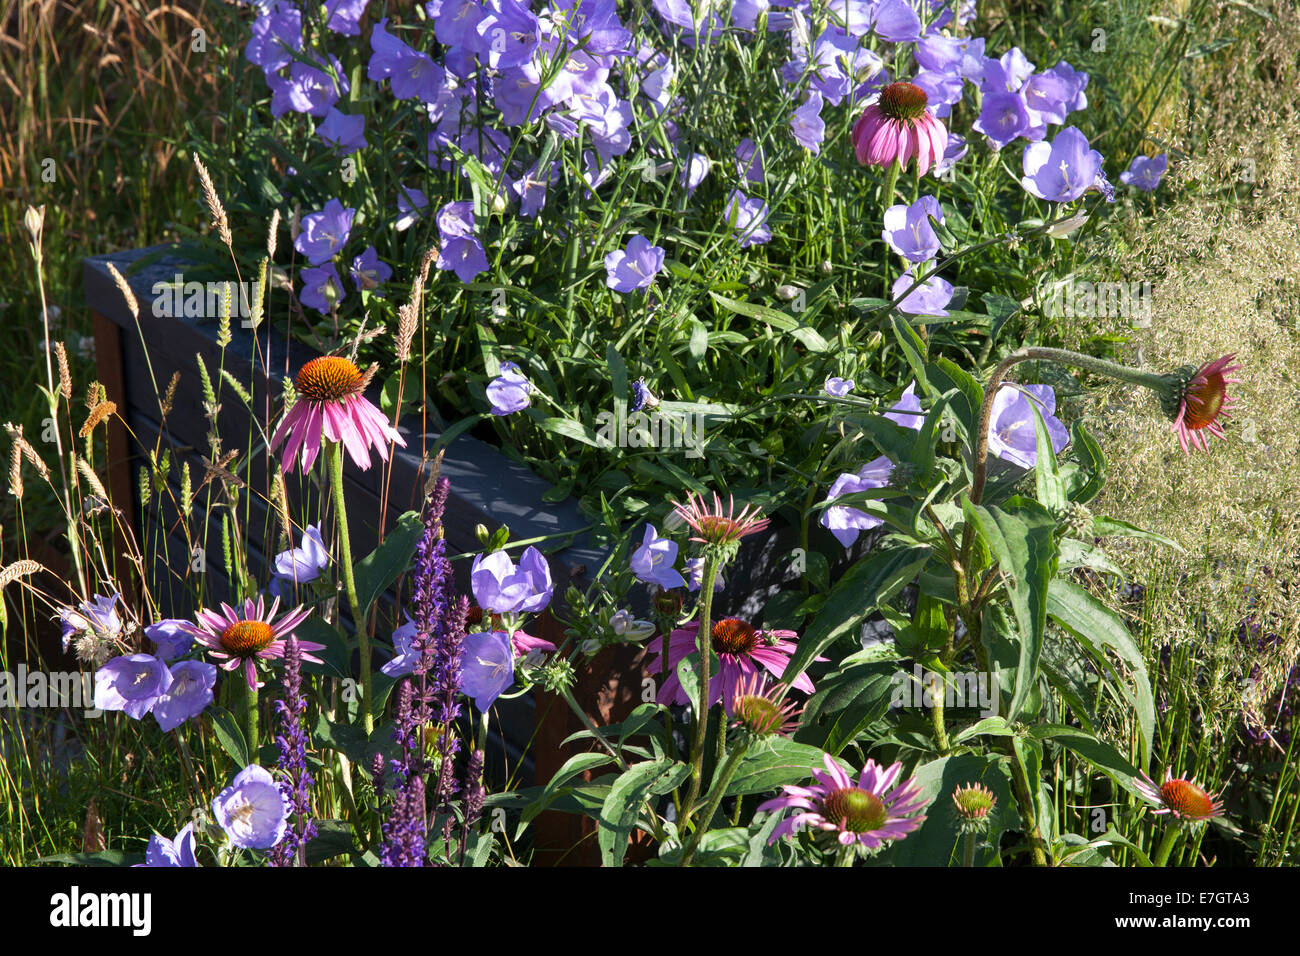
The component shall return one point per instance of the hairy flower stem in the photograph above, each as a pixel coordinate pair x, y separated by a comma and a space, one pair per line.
968, 850
1166, 846
334, 457
936, 719
712, 561
720, 784
1028, 811
250, 720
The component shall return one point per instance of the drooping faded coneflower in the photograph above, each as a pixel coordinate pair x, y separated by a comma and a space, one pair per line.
1199, 400
1185, 799
297, 781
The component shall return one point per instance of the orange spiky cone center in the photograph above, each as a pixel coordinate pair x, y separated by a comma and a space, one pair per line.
330, 378
731, 635
903, 101
245, 638
1187, 799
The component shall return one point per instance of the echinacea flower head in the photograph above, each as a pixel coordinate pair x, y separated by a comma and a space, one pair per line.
974, 803
240, 639
760, 710
716, 527
742, 651
899, 127
1198, 401
1185, 799
252, 810
178, 852
332, 406
875, 809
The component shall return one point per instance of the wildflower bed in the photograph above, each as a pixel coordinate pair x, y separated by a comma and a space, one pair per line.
830, 276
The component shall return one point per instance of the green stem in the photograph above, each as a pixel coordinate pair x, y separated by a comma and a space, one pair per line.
702, 702
334, 458
250, 720
936, 719
968, 850
1166, 846
847, 855
719, 791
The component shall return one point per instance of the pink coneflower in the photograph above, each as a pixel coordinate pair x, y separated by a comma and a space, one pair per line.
1203, 401
331, 405
714, 526
867, 814
899, 126
974, 802
758, 708
239, 640
1185, 799
741, 650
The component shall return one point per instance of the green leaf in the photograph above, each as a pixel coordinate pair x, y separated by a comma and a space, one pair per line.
626, 797
967, 406
376, 572
569, 428
872, 580
988, 727
229, 735
575, 765
1089, 455
98, 858
913, 350
1097, 752
1047, 471
938, 842
775, 762
1024, 546
333, 838
1098, 628
1102, 527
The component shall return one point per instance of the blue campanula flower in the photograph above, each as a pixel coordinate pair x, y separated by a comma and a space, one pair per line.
171, 637
908, 230
252, 810
324, 233
369, 271
748, 218
653, 561
460, 251
509, 392
322, 288
489, 667
345, 132
635, 267
846, 521
189, 694
807, 125
131, 684
929, 298
503, 588
1063, 170
178, 852
1145, 173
